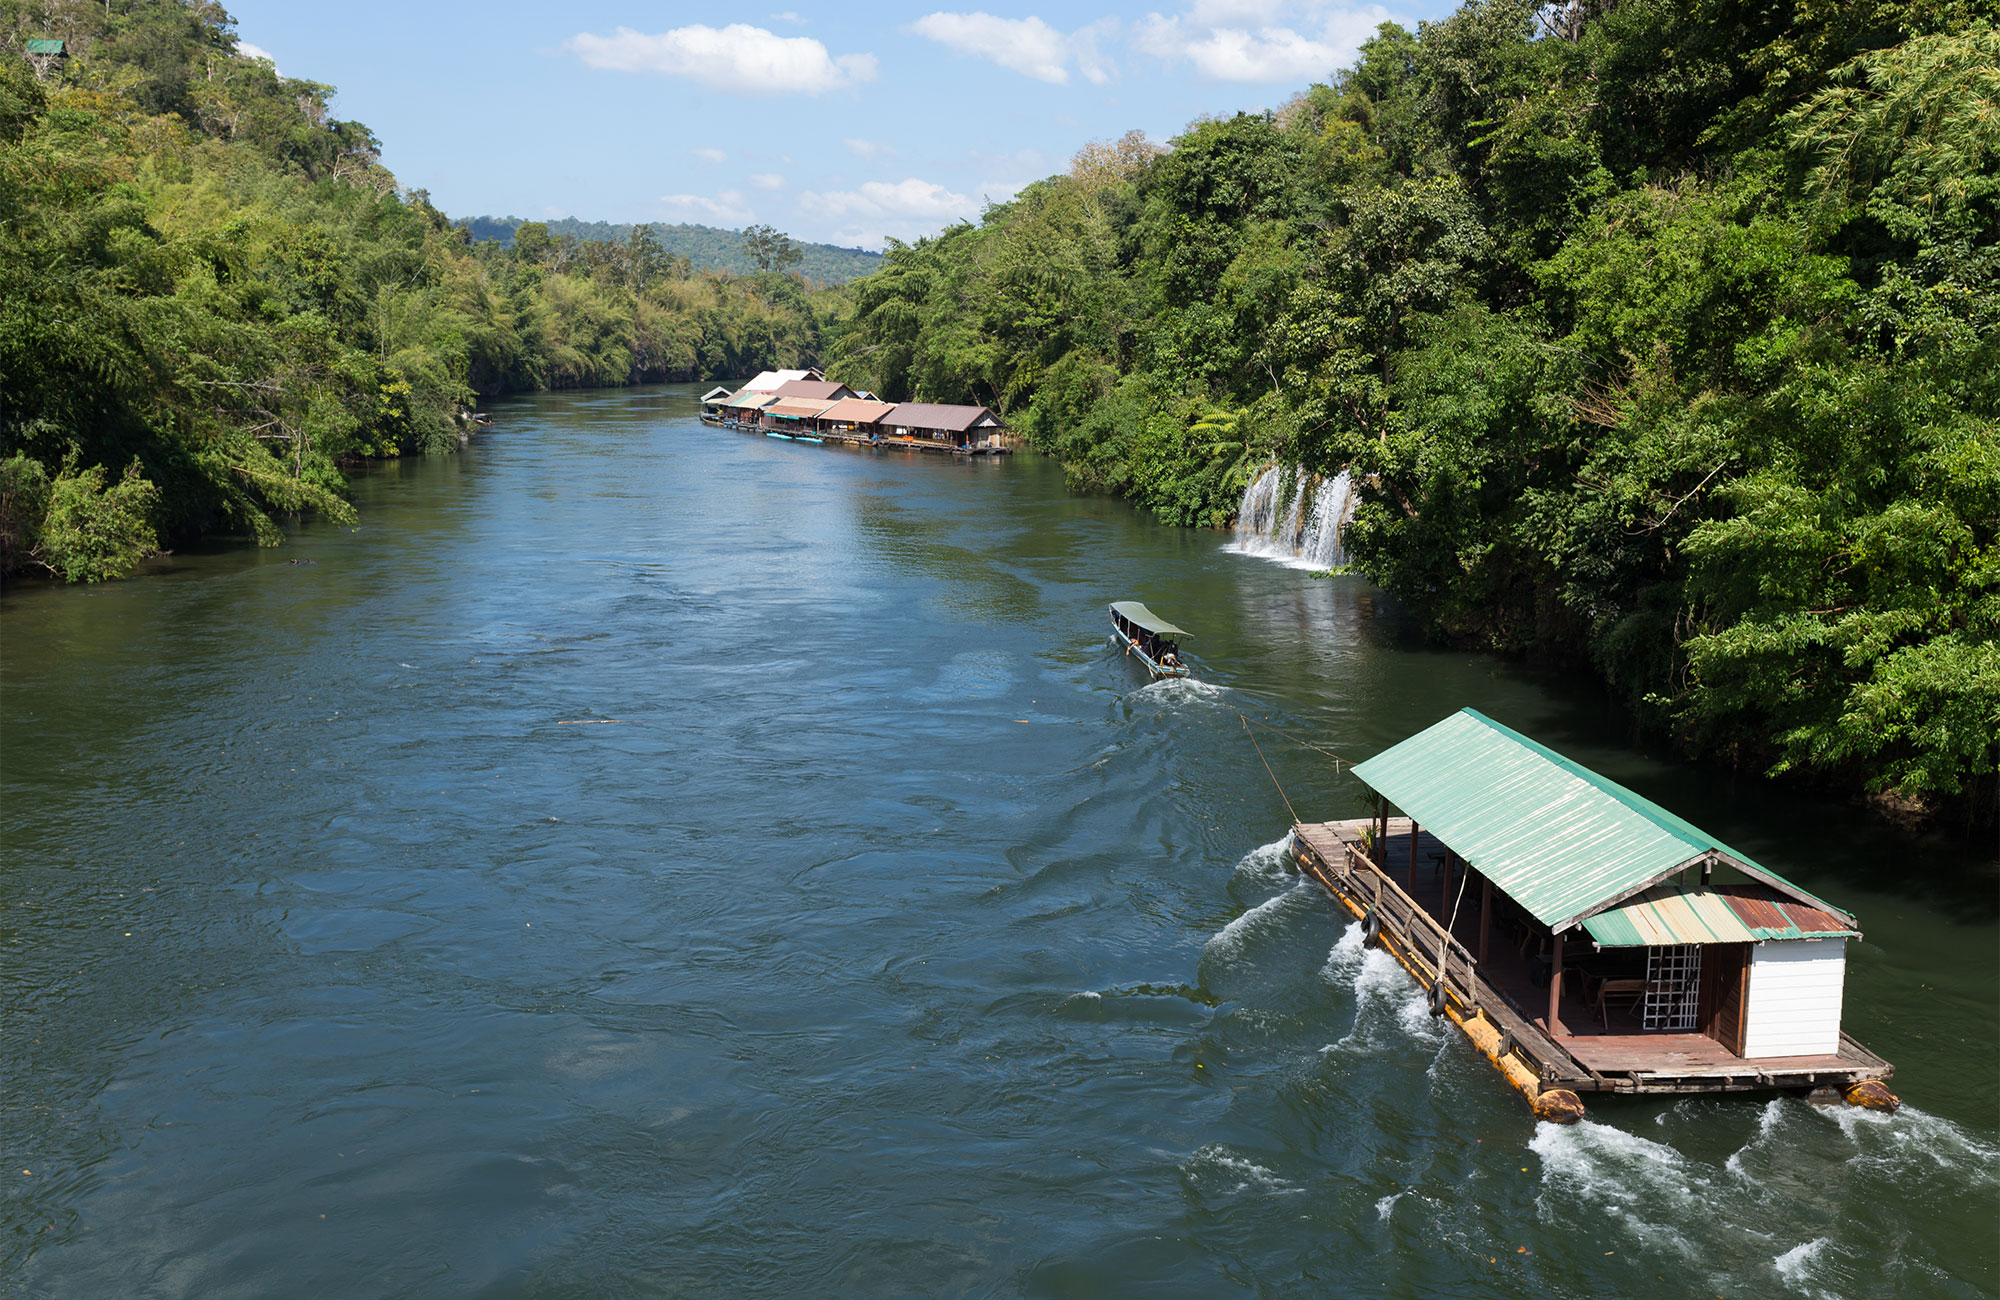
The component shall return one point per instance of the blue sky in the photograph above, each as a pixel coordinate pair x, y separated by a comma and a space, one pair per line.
844, 124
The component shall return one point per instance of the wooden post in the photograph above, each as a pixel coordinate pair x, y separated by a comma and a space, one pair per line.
1413, 856
1485, 914
1556, 986
1444, 891
1382, 835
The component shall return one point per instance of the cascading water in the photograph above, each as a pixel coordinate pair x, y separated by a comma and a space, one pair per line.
1305, 530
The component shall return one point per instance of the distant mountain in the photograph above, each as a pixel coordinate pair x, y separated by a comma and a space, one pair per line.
708, 248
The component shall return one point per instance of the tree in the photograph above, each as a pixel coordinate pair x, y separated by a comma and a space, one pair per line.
769, 249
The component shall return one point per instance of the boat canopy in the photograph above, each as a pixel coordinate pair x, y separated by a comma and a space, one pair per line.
1135, 613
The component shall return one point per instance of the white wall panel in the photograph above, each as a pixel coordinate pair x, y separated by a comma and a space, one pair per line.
1794, 1000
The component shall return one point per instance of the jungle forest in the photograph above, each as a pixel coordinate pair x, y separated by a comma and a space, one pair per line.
1661, 338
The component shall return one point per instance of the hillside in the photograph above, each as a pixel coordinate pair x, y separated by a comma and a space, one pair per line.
707, 248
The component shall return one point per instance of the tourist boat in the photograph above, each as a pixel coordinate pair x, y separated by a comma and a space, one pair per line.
1583, 937
1154, 640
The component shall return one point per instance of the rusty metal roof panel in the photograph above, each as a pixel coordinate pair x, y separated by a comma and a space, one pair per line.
1556, 837
1771, 917
1669, 914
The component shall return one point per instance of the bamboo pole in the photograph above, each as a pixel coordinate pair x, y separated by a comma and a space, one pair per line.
1556, 987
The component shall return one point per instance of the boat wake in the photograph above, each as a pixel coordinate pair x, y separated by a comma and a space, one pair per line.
1181, 690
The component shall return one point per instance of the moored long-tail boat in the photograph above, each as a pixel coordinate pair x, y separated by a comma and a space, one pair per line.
1151, 638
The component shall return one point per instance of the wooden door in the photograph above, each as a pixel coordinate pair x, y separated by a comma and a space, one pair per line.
1725, 993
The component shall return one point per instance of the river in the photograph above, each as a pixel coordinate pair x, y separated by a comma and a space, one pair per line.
643, 859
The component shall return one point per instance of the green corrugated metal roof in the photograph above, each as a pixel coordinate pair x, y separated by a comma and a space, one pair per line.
1132, 611
40, 46
1551, 834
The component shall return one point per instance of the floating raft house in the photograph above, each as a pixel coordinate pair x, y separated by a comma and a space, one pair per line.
1585, 938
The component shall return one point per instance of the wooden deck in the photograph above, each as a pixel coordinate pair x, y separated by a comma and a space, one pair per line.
1418, 906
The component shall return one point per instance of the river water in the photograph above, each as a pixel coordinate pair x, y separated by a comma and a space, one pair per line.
643, 859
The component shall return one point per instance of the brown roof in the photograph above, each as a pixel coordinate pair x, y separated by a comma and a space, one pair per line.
933, 415
857, 410
820, 389
792, 406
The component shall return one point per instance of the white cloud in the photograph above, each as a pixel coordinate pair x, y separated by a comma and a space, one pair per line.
1029, 46
249, 51
726, 208
868, 148
710, 155
788, 17
749, 60
767, 181
905, 209
1248, 41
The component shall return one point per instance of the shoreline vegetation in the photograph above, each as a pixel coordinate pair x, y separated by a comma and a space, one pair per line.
1661, 338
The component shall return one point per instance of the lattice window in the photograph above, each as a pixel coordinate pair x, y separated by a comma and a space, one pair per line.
1673, 986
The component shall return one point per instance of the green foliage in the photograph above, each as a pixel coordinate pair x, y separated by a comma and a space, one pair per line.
203, 273
1659, 336
694, 248
73, 525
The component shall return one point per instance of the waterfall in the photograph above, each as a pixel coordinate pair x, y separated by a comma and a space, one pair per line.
1306, 533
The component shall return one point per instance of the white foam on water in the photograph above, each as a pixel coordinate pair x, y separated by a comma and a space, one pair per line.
1385, 997
1914, 1144
1216, 1167
1343, 960
1230, 940
1645, 1186
1386, 1204
1795, 1266
1269, 862
1768, 1120
1180, 690
1726, 1220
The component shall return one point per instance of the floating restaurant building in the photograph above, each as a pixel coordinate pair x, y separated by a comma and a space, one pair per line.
805, 406
962, 427
856, 415
1585, 938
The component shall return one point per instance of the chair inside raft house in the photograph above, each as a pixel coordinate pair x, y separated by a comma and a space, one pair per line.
1629, 991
